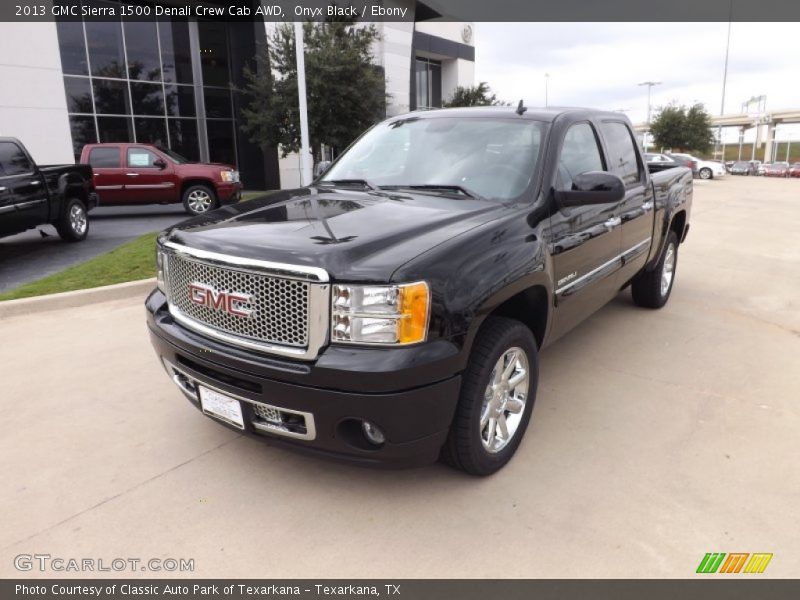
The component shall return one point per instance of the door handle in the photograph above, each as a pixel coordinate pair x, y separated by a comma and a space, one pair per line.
2, 189
36, 182
647, 205
132, 174
613, 222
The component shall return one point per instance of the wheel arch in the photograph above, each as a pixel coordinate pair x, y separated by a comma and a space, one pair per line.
528, 301
186, 184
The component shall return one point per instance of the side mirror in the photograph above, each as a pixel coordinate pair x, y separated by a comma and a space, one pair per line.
592, 187
160, 163
321, 167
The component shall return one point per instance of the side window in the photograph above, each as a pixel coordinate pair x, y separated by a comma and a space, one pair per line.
13, 160
621, 152
104, 158
579, 154
141, 158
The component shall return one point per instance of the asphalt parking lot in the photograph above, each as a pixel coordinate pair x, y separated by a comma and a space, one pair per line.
28, 256
656, 437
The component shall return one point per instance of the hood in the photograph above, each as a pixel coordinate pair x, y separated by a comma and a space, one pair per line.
354, 235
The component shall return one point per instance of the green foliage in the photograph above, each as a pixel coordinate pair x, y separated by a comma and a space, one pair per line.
683, 129
346, 92
476, 95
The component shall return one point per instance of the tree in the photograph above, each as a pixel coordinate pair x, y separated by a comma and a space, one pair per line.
346, 92
681, 128
476, 95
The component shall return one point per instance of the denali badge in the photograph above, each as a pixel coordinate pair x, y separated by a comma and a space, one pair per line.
229, 302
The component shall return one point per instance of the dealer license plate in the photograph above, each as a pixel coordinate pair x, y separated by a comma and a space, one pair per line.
221, 407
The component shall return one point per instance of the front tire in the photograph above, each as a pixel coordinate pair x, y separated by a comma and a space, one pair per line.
73, 225
199, 199
497, 395
705, 173
651, 289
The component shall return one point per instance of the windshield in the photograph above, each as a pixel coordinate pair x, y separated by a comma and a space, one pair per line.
174, 155
741, 164
492, 157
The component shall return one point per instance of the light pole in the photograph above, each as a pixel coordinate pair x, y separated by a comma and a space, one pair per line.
725, 77
546, 85
788, 145
305, 156
649, 85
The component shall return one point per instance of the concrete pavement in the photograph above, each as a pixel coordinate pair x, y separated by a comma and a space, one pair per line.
657, 436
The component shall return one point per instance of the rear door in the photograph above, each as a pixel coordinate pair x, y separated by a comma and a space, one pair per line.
636, 210
145, 181
109, 176
584, 240
23, 193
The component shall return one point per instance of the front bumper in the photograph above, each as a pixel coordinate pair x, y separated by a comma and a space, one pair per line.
229, 193
412, 406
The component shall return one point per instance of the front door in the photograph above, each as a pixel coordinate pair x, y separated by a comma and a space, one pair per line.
23, 193
636, 210
149, 179
584, 240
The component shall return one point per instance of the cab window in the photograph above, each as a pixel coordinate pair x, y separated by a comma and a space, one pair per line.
104, 158
579, 153
141, 158
13, 160
621, 152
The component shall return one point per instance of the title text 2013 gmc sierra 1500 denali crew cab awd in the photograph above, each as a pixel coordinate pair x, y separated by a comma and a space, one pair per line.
32, 195
393, 311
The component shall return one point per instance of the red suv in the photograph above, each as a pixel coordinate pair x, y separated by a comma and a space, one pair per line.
146, 174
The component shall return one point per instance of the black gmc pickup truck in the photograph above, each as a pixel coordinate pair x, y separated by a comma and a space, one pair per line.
33, 195
393, 311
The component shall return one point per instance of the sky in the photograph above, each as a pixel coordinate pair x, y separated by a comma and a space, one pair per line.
600, 64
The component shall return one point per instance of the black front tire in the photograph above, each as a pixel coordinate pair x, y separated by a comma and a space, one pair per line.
465, 448
649, 288
73, 224
705, 173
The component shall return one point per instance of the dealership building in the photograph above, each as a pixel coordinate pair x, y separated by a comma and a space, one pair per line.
173, 83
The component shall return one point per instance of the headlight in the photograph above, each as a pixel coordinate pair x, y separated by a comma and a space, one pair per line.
229, 176
380, 314
160, 259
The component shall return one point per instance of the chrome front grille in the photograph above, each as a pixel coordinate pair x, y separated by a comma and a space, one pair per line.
270, 307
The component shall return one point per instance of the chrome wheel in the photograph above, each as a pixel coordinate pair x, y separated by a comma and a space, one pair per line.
77, 219
668, 270
199, 201
705, 173
504, 400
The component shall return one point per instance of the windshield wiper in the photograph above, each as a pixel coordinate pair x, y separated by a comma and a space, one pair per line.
362, 182
458, 189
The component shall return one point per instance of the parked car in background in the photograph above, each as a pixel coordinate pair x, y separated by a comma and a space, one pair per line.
658, 162
777, 169
745, 167
147, 174
33, 195
705, 169
794, 170
761, 168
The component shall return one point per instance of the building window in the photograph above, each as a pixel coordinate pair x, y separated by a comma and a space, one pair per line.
124, 82
134, 81
429, 83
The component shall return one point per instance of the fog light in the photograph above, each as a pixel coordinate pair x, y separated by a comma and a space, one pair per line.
373, 433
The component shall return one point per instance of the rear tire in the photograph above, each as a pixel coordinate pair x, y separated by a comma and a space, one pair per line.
73, 225
497, 395
705, 173
199, 199
651, 289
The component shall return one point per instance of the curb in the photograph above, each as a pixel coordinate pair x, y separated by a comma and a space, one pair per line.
38, 304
